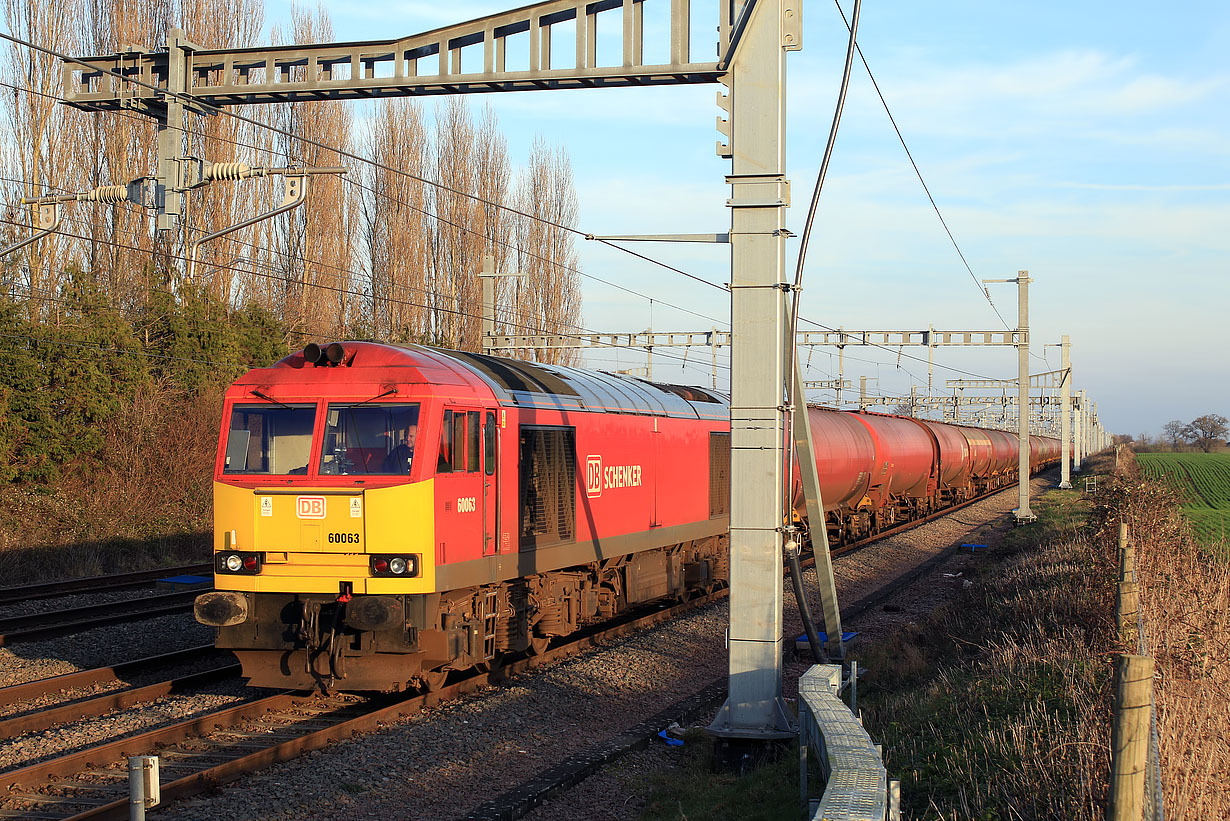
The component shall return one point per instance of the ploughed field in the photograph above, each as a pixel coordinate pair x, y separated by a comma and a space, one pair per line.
1203, 479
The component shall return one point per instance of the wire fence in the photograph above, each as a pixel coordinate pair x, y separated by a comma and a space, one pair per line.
1136, 771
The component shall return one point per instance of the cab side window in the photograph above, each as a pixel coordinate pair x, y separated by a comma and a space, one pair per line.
474, 450
489, 445
445, 463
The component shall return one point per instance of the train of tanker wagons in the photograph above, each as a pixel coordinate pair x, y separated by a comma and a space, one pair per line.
385, 514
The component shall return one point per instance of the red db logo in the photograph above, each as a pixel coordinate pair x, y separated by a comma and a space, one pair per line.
311, 507
593, 476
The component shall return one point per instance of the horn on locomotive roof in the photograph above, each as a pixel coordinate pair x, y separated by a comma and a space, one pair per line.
318, 356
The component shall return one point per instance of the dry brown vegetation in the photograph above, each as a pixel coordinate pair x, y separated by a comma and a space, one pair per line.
997, 705
146, 503
1185, 601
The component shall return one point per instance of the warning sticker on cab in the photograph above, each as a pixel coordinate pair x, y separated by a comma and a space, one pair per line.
356, 508
266, 505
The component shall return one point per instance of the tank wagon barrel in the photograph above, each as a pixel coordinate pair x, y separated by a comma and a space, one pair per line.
384, 514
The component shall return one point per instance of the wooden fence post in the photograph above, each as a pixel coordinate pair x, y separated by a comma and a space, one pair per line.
1130, 737
1127, 602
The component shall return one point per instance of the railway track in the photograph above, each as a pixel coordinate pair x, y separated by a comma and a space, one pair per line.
97, 584
43, 717
202, 752
554, 781
47, 624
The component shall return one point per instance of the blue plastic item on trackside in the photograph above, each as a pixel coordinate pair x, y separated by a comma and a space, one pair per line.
801, 642
185, 582
974, 547
670, 742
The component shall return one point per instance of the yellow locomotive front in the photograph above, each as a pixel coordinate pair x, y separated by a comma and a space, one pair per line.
324, 529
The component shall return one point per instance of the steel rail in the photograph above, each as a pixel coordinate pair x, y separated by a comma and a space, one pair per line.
96, 584
37, 626
932, 516
84, 678
11, 727
110, 752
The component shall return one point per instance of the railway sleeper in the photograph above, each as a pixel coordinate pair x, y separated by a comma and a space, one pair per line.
393, 642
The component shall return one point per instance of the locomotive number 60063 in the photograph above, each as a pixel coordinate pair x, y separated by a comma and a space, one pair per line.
343, 538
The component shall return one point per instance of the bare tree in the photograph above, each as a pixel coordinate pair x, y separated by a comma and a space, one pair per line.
219, 139
1207, 432
39, 133
1173, 431
548, 298
315, 238
395, 227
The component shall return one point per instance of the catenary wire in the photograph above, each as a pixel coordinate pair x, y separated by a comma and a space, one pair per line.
432, 215
342, 277
345, 153
917, 171
428, 213
391, 169
336, 289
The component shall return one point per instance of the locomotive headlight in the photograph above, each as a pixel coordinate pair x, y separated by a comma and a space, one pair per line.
405, 566
244, 563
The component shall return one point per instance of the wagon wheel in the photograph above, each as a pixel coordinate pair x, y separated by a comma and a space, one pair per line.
433, 680
537, 645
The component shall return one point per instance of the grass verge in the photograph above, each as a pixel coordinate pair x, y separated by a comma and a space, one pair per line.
997, 704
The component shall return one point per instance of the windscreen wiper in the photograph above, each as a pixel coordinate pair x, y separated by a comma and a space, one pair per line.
389, 392
255, 392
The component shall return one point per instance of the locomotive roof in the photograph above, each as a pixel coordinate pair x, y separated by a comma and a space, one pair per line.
536, 384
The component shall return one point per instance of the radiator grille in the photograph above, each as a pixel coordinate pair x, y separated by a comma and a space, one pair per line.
548, 485
719, 474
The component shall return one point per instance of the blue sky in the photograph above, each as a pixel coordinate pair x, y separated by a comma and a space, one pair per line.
1085, 142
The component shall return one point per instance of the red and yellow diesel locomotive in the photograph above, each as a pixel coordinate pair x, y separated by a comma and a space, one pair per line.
384, 513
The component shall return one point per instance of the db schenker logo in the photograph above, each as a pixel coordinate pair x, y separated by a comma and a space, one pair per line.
310, 507
593, 476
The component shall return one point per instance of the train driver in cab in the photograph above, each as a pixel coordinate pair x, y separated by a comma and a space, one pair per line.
399, 458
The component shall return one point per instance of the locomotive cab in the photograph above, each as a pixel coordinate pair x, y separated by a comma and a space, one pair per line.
326, 500
385, 514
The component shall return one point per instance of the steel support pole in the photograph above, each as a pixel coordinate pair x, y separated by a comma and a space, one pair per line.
754, 712
1078, 449
1065, 418
487, 276
1095, 429
809, 476
1023, 513
168, 185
